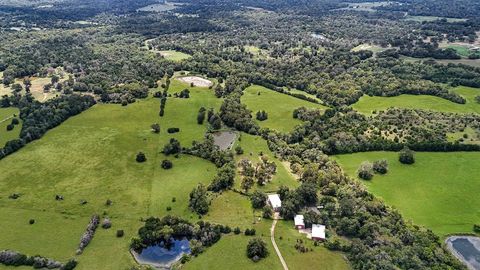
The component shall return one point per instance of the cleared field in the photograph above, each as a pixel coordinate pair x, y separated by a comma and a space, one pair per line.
6, 115
286, 236
440, 191
253, 146
92, 157
369, 47
368, 104
432, 18
174, 55
280, 107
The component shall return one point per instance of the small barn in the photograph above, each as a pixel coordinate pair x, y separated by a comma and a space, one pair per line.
275, 202
299, 224
318, 232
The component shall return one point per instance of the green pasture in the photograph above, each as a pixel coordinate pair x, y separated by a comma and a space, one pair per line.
286, 236
368, 104
279, 107
431, 19
440, 191
6, 115
174, 55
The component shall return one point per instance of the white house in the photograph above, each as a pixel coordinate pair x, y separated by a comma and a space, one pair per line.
275, 202
318, 232
299, 224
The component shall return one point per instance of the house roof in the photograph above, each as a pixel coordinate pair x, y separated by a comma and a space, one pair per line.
318, 231
274, 200
299, 220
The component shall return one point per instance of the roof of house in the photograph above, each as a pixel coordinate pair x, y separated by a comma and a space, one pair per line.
299, 220
318, 231
274, 200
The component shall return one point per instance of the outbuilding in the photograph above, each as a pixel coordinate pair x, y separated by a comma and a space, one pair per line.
318, 232
275, 202
299, 223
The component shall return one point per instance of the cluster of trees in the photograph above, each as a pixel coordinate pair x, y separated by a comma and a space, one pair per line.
262, 115
14, 258
156, 230
38, 117
199, 202
257, 249
367, 169
367, 226
260, 173
172, 147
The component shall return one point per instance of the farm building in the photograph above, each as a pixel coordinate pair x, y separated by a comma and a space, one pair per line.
299, 224
318, 232
275, 202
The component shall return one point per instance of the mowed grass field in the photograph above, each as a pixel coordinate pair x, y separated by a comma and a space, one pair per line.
440, 191
6, 115
278, 106
92, 157
368, 104
174, 55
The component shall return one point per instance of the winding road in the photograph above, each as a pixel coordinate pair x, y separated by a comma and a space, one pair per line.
272, 238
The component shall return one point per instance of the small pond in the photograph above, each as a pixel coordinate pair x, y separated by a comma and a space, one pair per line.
224, 139
161, 257
466, 249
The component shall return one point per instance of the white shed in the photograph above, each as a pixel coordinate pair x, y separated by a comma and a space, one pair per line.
318, 232
275, 202
299, 223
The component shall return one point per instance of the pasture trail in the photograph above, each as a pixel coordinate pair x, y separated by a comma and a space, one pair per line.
272, 238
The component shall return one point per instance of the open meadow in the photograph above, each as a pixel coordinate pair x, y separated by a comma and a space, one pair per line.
367, 104
6, 116
279, 109
440, 191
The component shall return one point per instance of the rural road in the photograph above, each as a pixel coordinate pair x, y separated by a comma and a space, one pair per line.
272, 237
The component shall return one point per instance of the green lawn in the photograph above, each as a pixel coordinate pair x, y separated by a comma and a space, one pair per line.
174, 55
278, 106
368, 104
439, 191
432, 18
92, 157
6, 115
286, 236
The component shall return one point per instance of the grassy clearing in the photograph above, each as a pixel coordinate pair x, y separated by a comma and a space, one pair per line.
280, 107
253, 146
286, 236
432, 18
439, 191
6, 115
175, 56
369, 47
92, 157
368, 104
230, 253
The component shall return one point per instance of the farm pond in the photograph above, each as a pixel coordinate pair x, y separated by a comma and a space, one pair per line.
161, 257
466, 249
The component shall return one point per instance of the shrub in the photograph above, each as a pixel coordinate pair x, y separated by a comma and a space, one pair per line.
380, 166
141, 157
476, 228
173, 130
258, 199
71, 264
106, 223
167, 164
257, 249
31, 221
169, 208
406, 156
365, 171
477, 99
15, 121
173, 147
267, 212
262, 116
120, 233
10, 127
237, 230
155, 128
239, 150
250, 232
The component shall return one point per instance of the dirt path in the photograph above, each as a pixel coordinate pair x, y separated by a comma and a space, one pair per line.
272, 238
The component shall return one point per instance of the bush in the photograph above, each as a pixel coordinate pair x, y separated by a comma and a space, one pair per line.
237, 230
250, 232
141, 157
257, 249
71, 264
120, 233
406, 156
267, 212
173, 147
239, 150
258, 199
15, 121
155, 128
167, 164
10, 127
173, 130
380, 166
262, 116
365, 171
476, 228
31, 221
106, 223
